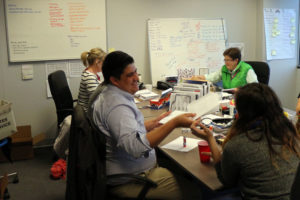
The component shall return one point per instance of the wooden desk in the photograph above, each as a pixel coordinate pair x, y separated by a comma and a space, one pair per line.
190, 162
148, 112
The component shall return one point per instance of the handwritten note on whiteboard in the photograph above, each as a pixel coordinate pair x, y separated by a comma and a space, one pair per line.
54, 30
185, 43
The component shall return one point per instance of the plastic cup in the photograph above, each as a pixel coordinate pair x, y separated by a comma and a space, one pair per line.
203, 147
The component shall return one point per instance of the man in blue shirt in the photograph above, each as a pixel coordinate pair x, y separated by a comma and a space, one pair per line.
130, 140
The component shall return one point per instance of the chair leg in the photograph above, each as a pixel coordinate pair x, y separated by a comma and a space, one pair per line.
15, 178
6, 194
3, 185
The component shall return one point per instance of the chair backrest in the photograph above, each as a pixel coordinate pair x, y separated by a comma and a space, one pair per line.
61, 94
86, 177
92, 99
262, 71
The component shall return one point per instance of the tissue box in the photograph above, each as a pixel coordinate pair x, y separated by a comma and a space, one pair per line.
7, 120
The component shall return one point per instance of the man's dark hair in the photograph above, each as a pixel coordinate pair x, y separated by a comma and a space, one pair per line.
114, 65
233, 53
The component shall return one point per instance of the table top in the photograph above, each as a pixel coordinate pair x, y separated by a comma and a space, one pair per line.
190, 162
148, 112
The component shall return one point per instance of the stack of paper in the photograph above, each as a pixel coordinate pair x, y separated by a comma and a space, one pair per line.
146, 94
207, 104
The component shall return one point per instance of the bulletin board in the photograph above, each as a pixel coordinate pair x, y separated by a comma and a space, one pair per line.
180, 43
280, 33
54, 29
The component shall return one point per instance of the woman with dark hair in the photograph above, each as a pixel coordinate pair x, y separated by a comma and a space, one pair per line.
261, 151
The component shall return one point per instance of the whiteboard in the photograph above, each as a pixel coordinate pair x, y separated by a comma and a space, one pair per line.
54, 29
180, 43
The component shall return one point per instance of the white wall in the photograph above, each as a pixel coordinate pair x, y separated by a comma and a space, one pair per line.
284, 79
127, 31
126, 23
30, 105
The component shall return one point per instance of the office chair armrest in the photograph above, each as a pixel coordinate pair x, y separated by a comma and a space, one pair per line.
147, 182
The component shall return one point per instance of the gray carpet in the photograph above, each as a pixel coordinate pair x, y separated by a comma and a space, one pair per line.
34, 181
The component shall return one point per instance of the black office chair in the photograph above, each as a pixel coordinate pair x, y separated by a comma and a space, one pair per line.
61, 95
262, 70
295, 192
86, 178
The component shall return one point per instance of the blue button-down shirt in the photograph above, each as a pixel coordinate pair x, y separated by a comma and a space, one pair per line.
127, 147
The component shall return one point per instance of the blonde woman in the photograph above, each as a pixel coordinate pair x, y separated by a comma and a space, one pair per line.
90, 79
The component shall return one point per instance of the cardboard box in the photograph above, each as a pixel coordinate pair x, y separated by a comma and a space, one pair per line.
21, 148
7, 120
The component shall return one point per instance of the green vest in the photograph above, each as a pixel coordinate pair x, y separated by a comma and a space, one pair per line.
238, 78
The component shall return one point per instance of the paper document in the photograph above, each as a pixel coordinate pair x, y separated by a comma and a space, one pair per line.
75, 68
206, 104
173, 114
27, 71
177, 144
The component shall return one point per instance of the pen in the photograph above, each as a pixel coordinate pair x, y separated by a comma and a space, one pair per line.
184, 141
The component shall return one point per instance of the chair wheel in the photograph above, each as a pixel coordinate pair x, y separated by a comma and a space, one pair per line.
6, 194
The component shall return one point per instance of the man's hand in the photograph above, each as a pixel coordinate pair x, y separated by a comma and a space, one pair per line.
153, 123
198, 78
184, 120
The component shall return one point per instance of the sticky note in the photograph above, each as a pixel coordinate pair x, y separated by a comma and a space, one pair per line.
276, 20
293, 41
273, 52
292, 35
111, 50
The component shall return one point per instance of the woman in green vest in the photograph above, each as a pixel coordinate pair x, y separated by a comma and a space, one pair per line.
235, 73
